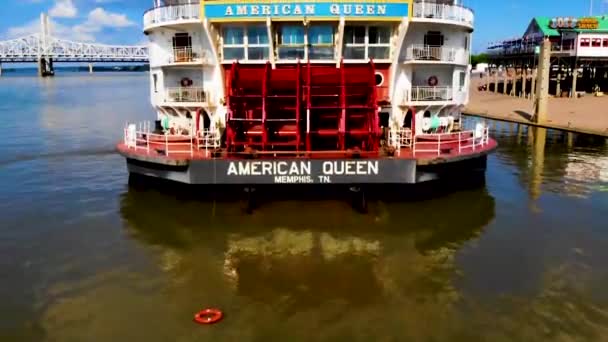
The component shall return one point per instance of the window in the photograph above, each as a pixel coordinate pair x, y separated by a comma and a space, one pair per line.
585, 42
291, 43
596, 42
155, 78
466, 42
245, 42
379, 42
354, 42
257, 42
362, 42
463, 78
321, 42
182, 47
605, 42
234, 43
181, 40
433, 38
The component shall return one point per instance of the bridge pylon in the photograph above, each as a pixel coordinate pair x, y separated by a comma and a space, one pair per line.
45, 62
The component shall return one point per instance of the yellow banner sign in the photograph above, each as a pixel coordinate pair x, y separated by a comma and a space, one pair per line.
588, 24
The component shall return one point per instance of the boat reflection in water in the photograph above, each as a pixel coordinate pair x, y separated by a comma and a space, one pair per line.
311, 267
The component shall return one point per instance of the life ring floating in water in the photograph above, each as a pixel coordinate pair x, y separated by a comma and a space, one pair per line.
433, 81
208, 316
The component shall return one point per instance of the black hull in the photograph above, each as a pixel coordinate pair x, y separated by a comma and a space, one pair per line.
307, 173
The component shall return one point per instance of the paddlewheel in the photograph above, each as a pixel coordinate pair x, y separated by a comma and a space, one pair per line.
302, 108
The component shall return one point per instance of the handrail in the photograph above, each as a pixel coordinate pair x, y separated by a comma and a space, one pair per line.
433, 10
425, 93
436, 53
467, 140
140, 137
167, 13
188, 94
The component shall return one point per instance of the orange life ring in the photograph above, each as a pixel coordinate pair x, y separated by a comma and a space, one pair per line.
208, 316
433, 81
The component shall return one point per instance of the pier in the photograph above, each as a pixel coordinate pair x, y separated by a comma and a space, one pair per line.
554, 76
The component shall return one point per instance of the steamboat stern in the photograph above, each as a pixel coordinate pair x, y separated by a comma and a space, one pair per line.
312, 92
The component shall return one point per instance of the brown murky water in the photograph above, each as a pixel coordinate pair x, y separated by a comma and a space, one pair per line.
86, 257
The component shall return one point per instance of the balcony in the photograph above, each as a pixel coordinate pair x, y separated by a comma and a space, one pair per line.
426, 53
188, 95
188, 55
173, 14
429, 94
433, 11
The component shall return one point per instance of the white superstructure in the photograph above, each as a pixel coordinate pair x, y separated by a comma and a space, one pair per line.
421, 58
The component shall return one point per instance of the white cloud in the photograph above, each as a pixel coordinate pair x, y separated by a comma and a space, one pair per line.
101, 17
56, 30
96, 21
63, 9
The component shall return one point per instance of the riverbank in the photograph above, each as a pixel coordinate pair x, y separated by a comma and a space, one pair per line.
584, 115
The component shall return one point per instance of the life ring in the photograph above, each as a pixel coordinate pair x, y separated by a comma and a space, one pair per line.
433, 81
208, 316
186, 82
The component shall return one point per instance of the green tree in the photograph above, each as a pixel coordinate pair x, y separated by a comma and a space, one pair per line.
479, 58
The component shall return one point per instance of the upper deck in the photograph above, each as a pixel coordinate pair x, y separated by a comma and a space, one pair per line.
184, 12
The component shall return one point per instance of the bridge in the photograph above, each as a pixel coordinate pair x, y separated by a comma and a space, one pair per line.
44, 49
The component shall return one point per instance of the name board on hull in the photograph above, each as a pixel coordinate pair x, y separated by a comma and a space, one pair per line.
302, 171
260, 10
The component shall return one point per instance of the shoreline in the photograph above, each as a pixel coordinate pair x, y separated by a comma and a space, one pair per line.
586, 115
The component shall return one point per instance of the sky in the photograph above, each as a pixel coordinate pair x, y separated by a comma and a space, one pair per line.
120, 21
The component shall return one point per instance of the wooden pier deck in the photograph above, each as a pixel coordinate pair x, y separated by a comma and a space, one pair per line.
588, 114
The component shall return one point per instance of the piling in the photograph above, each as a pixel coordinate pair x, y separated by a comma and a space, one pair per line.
574, 77
533, 87
542, 91
90, 68
0, 69
524, 80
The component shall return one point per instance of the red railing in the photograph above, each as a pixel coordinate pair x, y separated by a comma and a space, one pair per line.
138, 137
440, 143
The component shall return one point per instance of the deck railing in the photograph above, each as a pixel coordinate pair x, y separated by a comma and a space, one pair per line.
188, 94
433, 53
159, 15
423, 94
464, 141
139, 137
433, 10
188, 54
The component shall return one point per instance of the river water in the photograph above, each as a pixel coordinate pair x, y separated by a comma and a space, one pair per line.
86, 257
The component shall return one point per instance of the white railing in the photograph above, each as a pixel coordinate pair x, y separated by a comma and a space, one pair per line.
421, 94
465, 141
139, 137
433, 10
434, 53
165, 14
188, 94
189, 55
400, 138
